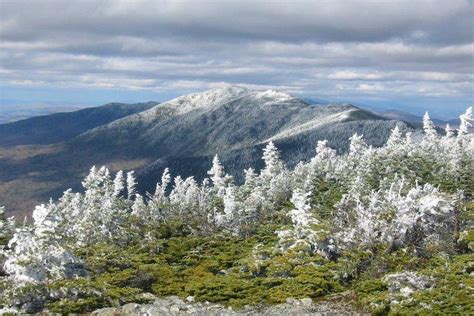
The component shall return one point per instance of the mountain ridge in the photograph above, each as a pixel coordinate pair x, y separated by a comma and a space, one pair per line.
184, 134
58, 127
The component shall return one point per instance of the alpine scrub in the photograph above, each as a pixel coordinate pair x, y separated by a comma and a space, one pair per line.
391, 224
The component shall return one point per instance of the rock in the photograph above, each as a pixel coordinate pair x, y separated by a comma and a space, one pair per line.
307, 302
130, 309
406, 283
106, 312
146, 297
174, 305
176, 300
162, 301
154, 310
174, 309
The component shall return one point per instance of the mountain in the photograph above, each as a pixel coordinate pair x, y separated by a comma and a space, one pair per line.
184, 134
235, 123
218, 121
415, 119
58, 127
316, 101
11, 112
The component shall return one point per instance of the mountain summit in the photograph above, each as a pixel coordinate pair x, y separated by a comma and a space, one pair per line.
218, 120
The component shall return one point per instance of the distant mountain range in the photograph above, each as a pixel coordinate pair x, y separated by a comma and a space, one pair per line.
15, 112
58, 127
393, 114
183, 134
414, 119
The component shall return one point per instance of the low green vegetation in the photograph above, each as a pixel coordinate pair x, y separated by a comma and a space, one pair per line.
226, 269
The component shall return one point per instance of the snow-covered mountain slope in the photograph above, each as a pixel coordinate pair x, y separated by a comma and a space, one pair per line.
220, 119
185, 133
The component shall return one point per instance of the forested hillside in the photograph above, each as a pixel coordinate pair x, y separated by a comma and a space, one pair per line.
392, 225
183, 134
58, 127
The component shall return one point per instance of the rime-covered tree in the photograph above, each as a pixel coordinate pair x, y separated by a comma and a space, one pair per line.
220, 180
357, 145
428, 126
467, 120
397, 216
273, 164
325, 158
131, 185
305, 232
395, 140
119, 185
7, 226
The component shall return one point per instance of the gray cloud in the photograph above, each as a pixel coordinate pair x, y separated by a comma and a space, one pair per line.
275, 20
327, 48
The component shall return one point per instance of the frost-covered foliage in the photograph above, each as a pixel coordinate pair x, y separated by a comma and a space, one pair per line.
420, 216
405, 194
306, 232
428, 126
7, 226
405, 283
467, 120
34, 259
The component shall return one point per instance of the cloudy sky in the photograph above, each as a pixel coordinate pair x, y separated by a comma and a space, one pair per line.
399, 54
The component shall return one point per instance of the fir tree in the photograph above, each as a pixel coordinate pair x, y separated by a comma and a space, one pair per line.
428, 126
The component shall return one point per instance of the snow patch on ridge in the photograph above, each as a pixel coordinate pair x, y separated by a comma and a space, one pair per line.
218, 97
312, 124
273, 96
206, 99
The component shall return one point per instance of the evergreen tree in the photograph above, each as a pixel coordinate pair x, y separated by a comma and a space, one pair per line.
119, 183
131, 185
449, 131
467, 120
273, 163
428, 126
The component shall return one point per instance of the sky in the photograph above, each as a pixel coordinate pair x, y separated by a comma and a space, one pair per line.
407, 55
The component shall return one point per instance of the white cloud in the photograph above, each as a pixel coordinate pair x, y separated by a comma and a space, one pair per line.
370, 87
351, 75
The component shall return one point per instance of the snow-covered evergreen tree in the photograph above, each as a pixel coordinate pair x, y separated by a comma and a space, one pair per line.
273, 163
449, 131
467, 120
325, 158
160, 192
357, 145
131, 185
119, 185
394, 217
428, 126
220, 180
304, 234
395, 139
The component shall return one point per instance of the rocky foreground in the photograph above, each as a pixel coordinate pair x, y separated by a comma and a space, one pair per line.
173, 305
